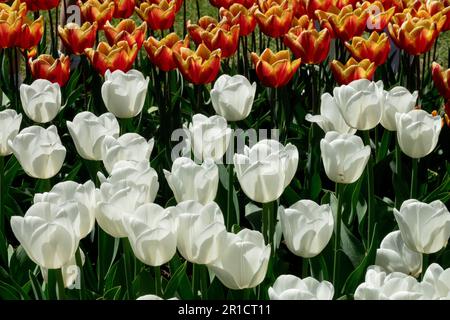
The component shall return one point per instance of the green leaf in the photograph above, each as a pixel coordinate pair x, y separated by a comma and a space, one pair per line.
175, 281
37, 289
112, 293
351, 246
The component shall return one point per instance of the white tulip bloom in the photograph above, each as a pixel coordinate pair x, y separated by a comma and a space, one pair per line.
9, 128
41, 100
289, 287
400, 100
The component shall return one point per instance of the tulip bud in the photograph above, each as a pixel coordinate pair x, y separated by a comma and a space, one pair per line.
201, 231
289, 287
41, 101
395, 256
307, 227
151, 231
232, 97
124, 93
9, 127
129, 147
424, 227
266, 169
441, 79
39, 151
344, 156
417, 132
190, 181
88, 132
276, 20
376, 48
243, 260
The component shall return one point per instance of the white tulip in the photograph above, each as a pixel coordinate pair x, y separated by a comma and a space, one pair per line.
41, 100
424, 227
70, 272
82, 195
330, 118
200, 231
209, 137
153, 297
400, 100
39, 151
439, 278
190, 181
417, 132
129, 147
9, 127
361, 103
232, 97
151, 231
124, 93
289, 287
243, 260
344, 156
48, 233
395, 256
307, 227
266, 169
88, 132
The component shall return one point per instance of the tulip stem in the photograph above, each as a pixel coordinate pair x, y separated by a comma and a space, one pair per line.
305, 266
230, 205
158, 286
52, 35
127, 268
79, 263
3, 191
398, 170
370, 191
268, 223
425, 263
195, 280
60, 283
414, 178
337, 238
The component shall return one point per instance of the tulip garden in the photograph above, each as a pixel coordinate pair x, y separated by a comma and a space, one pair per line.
224, 150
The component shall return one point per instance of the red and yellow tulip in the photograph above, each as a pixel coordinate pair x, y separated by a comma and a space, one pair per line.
158, 15
352, 70
76, 38
54, 70
276, 20
441, 79
30, 33
120, 56
127, 31
124, 8
36, 5
96, 11
10, 28
161, 52
379, 17
239, 15
376, 48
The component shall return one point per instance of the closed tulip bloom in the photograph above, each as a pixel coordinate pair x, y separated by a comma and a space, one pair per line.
9, 128
10, 27
127, 31
232, 97
417, 132
120, 56
330, 118
161, 52
266, 169
352, 70
200, 66
400, 100
124, 93
275, 69
379, 15
39, 151
243, 260
289, 287
77, 38
376, 48
394, 256
348, 22
124, 8
424, 227
307, 227
39, 5
41, 100
48, 234
70, 192
393, 286
51, 69
441, 79
201, 230
439, 279
239, 15
88, 132
159, 15
70, 271
276, 21
129, 186
97, 11
190, 181
152, 233
344, 156
30, 33
128, 147
209, 137
361, 103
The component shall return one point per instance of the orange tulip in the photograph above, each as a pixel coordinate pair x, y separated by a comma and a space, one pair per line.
304, 22
441, 79
35, 5
275, 69
322, 16
310, 45
299, 7
205, 23
161, 52
10, 28
96, 11
376, 48
200, 66
120, 56
17, 6
124, 8
352, 70
159, 16
342, 3
322, 5
127, 31
417, 35
54, 70
436, 6
276, 21
178, 3
378, 17
75, 38
239, 15
30, 33
225, 3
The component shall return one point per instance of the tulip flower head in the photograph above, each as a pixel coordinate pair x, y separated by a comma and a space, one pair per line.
352, 70
441, 79
9, 128
30, 33
51, 69
123, 9
120, 56
161, 52
378, 18
239, 15
127, 31
397, 100
41, 100
97, 11
289, 287
437, 277
77, 38
276, 20
158, 15
376, 48
10, 28
41, 5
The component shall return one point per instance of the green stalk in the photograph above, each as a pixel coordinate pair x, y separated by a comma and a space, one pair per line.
195, 280
337, 239
268, 223
79, 263
51, 285
204, 282
158, 287
425, 262
230, 205
414, 178
305, 266
127, 270
60, 282
3, 191
398, 169
370, 191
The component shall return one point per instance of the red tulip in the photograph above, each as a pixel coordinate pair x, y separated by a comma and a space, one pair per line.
441, 79
352, 70
161, 53
276, 20
76, 39
127, 31
96, 11
376, 48
30, 33
54, 70
124, 8
117, 57
10, 28
237, 14
159, 16
36, 5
